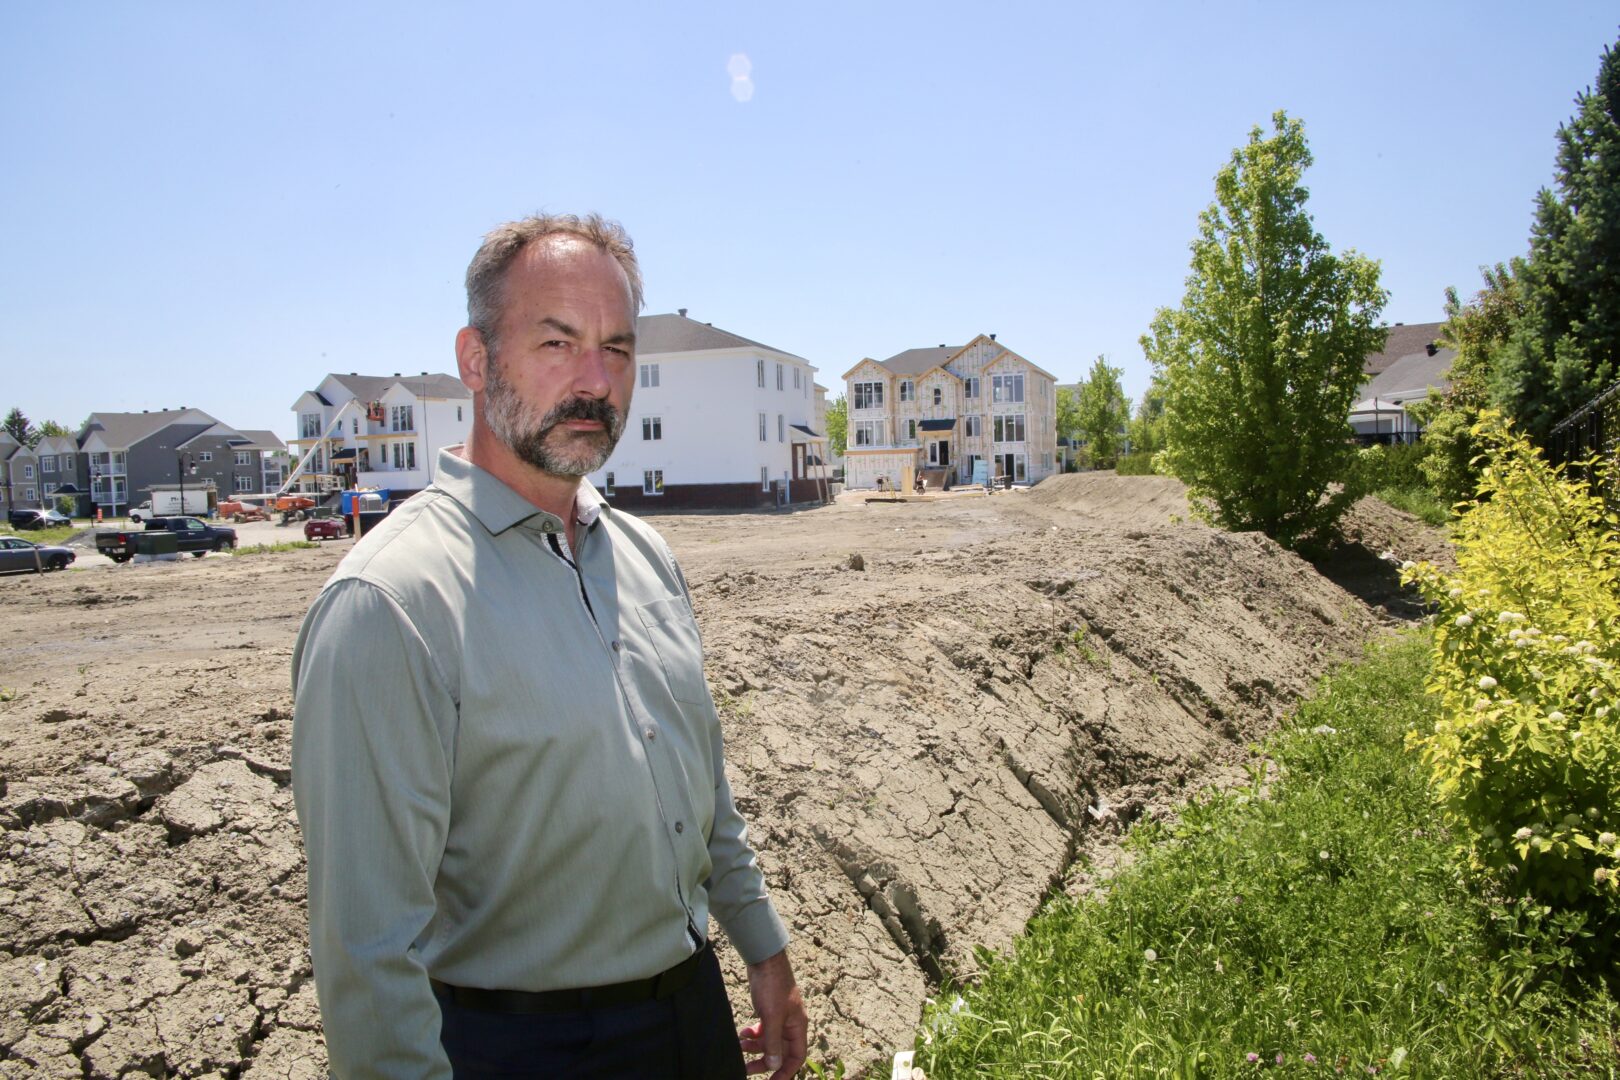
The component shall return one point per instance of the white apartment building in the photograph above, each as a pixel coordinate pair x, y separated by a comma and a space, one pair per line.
715, 420
946, 408
378, 431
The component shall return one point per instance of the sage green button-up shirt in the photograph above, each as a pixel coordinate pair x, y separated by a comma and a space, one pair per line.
508, 771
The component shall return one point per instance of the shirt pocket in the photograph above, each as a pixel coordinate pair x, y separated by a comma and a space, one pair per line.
674, 637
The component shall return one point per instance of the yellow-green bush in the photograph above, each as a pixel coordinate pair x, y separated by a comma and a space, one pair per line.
1525, 757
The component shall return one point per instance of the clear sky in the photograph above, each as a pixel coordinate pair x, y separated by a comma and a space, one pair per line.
214, 205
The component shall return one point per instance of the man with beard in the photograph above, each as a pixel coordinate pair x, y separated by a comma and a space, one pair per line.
506, 761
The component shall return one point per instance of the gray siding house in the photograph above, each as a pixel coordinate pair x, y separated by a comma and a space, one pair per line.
129, 454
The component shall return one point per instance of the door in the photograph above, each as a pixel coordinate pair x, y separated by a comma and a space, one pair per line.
799, 472
939, 453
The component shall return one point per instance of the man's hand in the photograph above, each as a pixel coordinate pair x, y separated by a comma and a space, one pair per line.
783, 1028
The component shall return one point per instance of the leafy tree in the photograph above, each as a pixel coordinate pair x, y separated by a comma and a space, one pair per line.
1565, 345
50, 428
1145, 432
838, 424
1477, 329
1101, 412
1068, 412
1262, 361
18, 426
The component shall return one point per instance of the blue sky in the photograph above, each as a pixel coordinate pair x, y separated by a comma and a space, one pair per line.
214, 205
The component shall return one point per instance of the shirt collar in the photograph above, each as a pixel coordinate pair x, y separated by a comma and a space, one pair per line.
496, 505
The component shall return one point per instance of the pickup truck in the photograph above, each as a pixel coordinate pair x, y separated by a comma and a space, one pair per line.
191, 534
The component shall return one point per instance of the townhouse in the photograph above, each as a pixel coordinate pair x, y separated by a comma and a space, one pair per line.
377, 431
946, 409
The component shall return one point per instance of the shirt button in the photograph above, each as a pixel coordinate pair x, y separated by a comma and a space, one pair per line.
617, 645
651, 734
680, 827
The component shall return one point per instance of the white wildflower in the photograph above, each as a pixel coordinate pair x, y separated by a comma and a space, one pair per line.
1465, 620
1323, 855
1481, 704
1408, 564
1606, 839
1593, 693
1455, 594
1601, 711
1487, 683
1522, 833
1556, 717
1150, 956
1601, 875
1324, 729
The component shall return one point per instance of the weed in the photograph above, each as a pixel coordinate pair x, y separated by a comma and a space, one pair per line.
272, 549
8, 693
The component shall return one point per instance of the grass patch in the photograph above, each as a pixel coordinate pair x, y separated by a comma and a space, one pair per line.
1419, 502
55, 536
272, 549
1320, 928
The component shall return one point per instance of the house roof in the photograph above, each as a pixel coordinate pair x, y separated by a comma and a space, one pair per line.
263, 440
1404, 340
658, 334
215, 431
373, 387
804, 430
1406, 379
917, 361
126, 429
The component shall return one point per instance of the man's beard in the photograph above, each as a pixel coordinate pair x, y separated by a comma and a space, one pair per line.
546, 444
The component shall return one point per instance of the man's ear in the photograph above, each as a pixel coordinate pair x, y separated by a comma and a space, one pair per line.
472, 359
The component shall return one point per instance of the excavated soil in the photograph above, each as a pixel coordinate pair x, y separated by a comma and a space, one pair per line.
924, 746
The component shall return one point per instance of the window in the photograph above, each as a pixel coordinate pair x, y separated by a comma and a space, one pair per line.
410, 455
764, 478
244, 457
244, 483
1007, 387
50, 488
779, 376
781, 428
1010, 428
402, 418
458, 414
761, 427
759, 373
649, 375
205, 455
911, 430
972, 426
1046, 461
399, 455
652, 428
868, 395
652, 482
28, 473
309, 425
868, 432
795, 378
354, 425
607, 485
939, 396
47, 463
28, 494
908, 390
970, 387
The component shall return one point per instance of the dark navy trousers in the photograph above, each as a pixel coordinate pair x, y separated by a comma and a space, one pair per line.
690, 1036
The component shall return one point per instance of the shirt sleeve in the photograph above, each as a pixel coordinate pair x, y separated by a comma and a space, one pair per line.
736, 885
373, 739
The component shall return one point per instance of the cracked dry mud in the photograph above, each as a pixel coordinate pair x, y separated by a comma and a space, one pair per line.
923, 748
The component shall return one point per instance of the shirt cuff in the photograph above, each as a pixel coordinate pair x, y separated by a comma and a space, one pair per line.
756, 932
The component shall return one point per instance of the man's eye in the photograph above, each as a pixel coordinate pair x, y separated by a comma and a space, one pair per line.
617, 349
555, 345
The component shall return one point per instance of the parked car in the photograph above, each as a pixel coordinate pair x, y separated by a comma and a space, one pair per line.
324, 528
18, 555
37, 519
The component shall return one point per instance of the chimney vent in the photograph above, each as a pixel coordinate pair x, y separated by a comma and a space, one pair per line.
992, 337
396, 374
682, 311
352, 373
1400, 324
942, 345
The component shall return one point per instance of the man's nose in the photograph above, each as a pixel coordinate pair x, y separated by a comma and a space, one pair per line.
591, 377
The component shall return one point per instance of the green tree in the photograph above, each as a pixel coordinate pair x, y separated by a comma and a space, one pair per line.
838, 424
1145, 432
51, 428
1101, 412
1565, 345
17, 425
1262, 361
1068, 412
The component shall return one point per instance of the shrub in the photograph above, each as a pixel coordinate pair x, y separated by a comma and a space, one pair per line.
1135, 465
1525, 757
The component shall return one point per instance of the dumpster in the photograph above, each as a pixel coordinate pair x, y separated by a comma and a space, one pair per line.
157, 542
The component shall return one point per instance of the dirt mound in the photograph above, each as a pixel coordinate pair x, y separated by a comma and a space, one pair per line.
923, 747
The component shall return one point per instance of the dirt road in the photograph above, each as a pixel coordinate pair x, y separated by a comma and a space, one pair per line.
923, 747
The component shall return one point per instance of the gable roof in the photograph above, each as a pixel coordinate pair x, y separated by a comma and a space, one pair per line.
1408, 379
373, 387
675, 333
120, 430
263, 440
917, 361
1404, 339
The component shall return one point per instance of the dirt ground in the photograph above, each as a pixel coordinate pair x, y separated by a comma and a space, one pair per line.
925, 746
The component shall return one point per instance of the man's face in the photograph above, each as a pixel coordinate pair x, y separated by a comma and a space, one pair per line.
556, 390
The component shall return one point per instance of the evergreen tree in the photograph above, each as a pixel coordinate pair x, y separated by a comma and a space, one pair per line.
1565, 346
17, 425
1263, 359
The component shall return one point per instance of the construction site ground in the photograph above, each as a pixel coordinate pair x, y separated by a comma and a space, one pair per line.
937, 714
